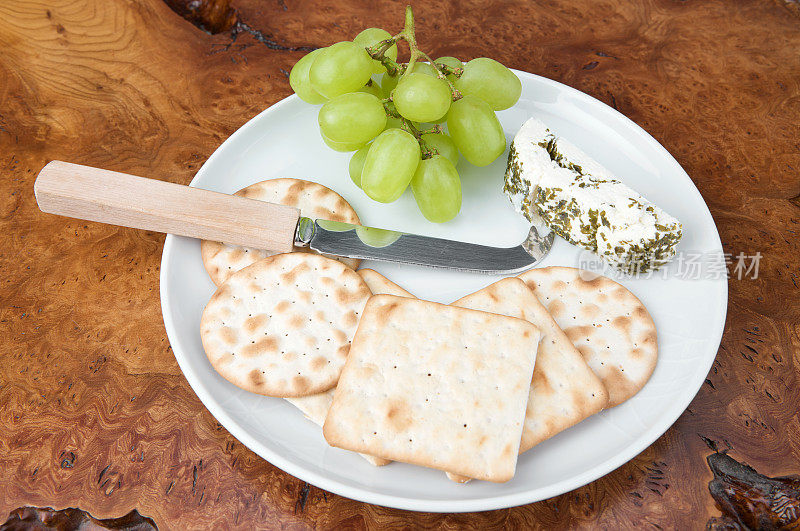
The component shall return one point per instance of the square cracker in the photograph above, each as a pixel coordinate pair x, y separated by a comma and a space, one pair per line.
564, 390
315, 407
437, 386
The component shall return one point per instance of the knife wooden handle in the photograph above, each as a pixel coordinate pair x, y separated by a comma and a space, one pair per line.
117, 198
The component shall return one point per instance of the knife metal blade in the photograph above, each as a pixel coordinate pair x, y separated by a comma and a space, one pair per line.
356, 241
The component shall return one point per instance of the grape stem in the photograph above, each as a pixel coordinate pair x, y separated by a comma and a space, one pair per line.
393, 68
408, 126
426, 151
410, 37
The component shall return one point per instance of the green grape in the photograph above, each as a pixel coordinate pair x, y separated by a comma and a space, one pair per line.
425, 68
393, 123
373, 88
390, 164
377, 237
443, 145
370, 37
452, 62
388, 83
299, 81
357, 164
422, 98
341, 146
437, 189
490, 81
476, 131
341, 68
353, 119
335, 226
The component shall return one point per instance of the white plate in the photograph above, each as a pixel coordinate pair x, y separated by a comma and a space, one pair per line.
283, 141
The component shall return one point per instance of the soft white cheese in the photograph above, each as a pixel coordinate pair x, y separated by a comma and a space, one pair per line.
551, 178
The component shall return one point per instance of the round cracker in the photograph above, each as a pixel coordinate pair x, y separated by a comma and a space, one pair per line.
314, 201
607, 323
283, 326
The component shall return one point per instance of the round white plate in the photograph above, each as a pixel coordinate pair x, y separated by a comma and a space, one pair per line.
689, 312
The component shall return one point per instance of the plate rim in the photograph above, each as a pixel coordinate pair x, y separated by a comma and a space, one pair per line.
416, 504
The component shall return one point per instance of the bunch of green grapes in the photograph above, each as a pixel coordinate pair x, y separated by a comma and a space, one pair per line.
395, 126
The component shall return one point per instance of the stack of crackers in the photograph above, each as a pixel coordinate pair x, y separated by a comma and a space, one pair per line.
463, 388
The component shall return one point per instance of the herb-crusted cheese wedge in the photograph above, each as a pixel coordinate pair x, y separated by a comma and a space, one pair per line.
549, 177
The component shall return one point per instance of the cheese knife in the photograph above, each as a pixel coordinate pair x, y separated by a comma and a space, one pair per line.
106, 196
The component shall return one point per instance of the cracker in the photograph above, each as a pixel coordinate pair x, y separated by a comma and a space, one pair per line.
283, 326
315, 407
437, 386
379, 284
607, 323
564, 390
314, 200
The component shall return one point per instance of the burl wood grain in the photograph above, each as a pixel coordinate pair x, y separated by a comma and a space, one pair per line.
94, 412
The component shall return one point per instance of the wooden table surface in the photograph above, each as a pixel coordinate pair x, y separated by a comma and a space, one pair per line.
94, 411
